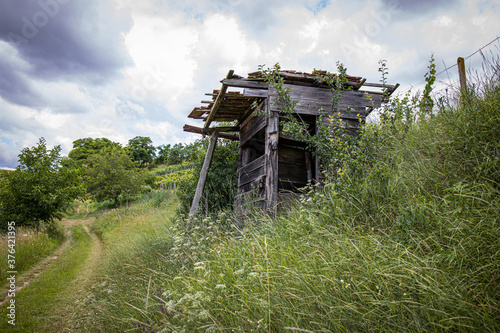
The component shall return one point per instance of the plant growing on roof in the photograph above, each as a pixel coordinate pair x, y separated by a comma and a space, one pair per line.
318, 139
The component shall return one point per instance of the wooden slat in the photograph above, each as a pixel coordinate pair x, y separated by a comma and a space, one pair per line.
243, 83
378, 85
256, 163
221, 129
252, 171
249, 92
251, 128
218, 101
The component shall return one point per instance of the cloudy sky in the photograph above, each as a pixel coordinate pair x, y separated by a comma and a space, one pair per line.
72, 69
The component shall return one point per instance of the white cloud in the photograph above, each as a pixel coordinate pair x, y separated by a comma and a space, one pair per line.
161, 50
163, 129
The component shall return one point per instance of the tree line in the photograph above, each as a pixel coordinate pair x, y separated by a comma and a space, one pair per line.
45, 183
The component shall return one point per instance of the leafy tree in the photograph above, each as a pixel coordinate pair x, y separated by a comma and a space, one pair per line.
111, 174
178, 153
141, 149
40, 188
163, 152
83, 148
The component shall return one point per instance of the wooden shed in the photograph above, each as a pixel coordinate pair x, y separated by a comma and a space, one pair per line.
271, 163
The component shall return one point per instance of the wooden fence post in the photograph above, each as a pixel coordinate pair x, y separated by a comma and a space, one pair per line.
461, 74
203, 174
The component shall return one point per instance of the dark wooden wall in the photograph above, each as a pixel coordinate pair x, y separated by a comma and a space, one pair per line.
271, 162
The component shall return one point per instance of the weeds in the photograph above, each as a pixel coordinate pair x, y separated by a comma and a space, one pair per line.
31, 247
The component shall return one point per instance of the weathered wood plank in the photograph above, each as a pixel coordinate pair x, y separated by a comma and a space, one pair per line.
272, 140
258, 162
249, 92
309, 99
199, 130
251, 128
219, 100
243, 83
203, 174
221, 129
291, 155
295, 173
248, 113
252, 176
252, 171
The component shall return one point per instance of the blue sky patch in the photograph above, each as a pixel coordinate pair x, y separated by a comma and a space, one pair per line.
322, 4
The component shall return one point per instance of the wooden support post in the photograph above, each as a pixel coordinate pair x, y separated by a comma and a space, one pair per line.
461, 74
203, 174
271, 151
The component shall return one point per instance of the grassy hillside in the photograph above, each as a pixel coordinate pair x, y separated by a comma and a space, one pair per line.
404, 238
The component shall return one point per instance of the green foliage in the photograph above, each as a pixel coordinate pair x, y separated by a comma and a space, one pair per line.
426, 102
164, 169
330, 139
221, 179
83, 148
177, 154
172, 180
40, 188
141, 150
111, 174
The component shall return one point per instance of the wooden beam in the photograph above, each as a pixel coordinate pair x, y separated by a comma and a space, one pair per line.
199, 130
203, 174
249, 111
243, 83
271, 151
360, 84
222, 129
219, 100
378, 85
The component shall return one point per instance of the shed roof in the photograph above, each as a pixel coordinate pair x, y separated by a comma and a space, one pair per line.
227, 105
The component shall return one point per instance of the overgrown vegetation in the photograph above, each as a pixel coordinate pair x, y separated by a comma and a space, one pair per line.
31, 248
220, 186
403, 237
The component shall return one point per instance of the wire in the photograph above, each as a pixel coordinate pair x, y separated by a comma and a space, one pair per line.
498, 37
447, 68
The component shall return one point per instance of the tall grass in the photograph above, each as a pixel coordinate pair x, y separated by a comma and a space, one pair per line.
403, 238
31, 247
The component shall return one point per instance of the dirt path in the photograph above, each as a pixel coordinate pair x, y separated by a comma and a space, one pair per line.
84, 281
24, 280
